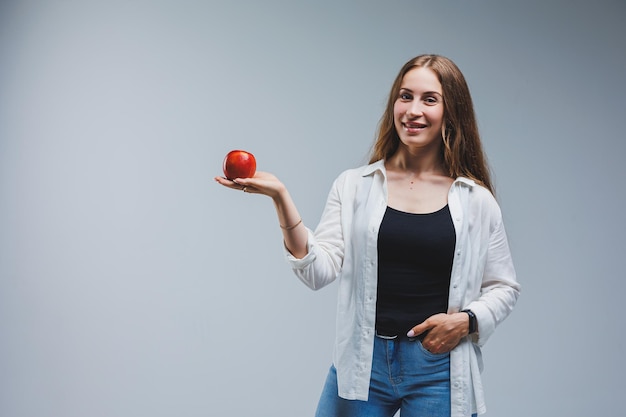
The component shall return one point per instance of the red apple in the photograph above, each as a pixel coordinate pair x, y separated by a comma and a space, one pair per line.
239, 164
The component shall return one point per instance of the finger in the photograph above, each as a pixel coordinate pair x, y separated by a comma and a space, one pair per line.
224, 181
245, 186
436, 346
229, 183
419, 329
254, 185
249, 189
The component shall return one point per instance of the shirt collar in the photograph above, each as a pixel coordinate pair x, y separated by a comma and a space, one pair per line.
373, 167
380, 166
465, 181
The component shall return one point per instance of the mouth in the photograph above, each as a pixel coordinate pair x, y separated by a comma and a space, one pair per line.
413, 126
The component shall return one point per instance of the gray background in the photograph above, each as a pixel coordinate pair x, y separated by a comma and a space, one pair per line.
133, 285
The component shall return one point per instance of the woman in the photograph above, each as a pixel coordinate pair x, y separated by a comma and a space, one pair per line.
417, 242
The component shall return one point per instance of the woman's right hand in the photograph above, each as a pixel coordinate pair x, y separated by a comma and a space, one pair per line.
294, 232
262, 183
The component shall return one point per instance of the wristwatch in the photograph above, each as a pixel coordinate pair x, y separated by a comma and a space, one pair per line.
473, 324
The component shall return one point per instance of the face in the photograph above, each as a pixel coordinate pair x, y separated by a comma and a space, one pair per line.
418, 110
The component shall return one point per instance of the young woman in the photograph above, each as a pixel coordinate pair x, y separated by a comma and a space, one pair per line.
417, 243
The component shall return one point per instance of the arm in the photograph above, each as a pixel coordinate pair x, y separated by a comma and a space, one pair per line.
494, 300
316, 258
499, 289
294, 233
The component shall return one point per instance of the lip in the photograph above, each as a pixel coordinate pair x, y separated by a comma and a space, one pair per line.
413, 127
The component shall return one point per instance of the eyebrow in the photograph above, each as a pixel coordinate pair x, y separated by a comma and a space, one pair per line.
424, 93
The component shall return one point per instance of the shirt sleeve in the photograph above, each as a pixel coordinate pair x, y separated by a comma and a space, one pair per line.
499, 289
322, 263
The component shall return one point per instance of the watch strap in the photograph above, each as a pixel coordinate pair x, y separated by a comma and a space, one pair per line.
473, 323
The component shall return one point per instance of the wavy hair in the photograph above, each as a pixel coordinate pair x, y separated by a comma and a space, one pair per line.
462, 151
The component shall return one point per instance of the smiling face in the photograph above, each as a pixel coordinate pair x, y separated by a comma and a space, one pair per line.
419, 110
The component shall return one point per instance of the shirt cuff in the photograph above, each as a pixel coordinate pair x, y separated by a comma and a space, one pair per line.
301, 263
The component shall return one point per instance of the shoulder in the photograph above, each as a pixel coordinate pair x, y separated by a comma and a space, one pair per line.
479, 200
347, 184
354, 175
476, 192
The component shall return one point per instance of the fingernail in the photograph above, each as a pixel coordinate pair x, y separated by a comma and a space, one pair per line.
411, 333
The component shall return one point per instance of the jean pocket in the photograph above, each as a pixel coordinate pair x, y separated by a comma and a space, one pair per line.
428, 354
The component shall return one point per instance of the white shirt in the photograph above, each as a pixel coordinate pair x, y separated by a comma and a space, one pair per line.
344, 247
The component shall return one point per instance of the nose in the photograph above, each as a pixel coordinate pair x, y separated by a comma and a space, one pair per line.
414, 109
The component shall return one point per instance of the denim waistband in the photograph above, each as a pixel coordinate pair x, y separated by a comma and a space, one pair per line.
384, 335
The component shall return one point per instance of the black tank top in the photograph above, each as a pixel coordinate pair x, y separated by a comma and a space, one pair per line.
415, 253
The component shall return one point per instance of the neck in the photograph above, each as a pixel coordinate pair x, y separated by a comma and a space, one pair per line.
417, 162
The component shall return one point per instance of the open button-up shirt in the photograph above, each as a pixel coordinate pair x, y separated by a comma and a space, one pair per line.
343, 247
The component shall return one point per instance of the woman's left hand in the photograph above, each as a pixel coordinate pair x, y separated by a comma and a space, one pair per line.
445, 331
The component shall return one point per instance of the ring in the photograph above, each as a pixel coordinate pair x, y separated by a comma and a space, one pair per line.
244, 189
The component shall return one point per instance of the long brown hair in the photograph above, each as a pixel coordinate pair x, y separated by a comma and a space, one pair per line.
462, 151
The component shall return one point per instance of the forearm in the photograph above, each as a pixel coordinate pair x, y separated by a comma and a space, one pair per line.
295, 234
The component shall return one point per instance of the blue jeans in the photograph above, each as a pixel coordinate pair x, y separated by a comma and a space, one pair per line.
405, 376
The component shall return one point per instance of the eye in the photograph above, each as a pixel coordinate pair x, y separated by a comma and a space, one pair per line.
431, 100
404, 96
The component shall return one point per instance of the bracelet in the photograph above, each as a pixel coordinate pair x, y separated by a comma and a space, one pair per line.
290, 227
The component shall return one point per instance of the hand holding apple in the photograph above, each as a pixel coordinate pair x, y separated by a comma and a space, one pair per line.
240, 174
